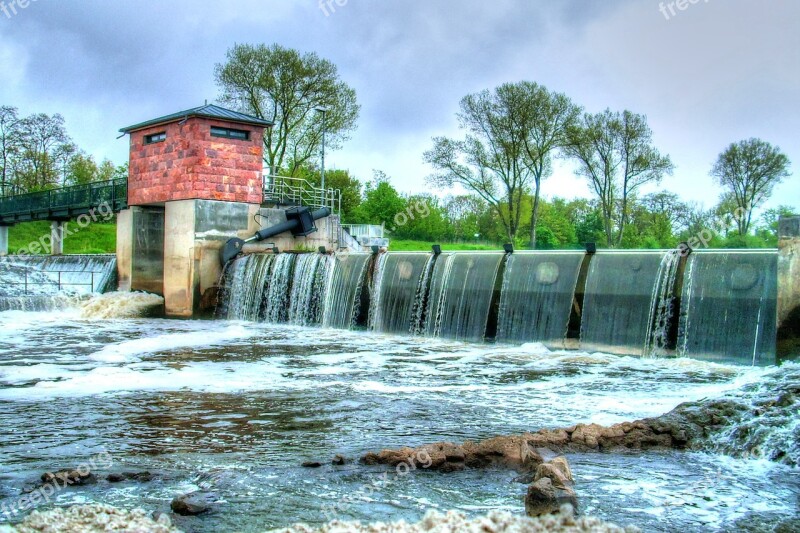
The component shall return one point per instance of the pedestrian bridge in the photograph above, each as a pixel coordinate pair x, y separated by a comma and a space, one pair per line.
65, 203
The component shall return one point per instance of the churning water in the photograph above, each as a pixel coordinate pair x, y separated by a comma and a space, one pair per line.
237, 406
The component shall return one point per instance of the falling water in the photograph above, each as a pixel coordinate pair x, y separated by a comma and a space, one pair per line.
461, 295
618, 299
728, 310
536, 299
276, 304
397, 292
53, 282
308, 289
343, 290
662, 305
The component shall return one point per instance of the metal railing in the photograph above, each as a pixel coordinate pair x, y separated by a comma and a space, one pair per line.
59, 283
69, 201
284, 190
370, 231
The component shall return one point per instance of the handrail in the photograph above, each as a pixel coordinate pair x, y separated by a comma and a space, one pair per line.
299, 191
60, 284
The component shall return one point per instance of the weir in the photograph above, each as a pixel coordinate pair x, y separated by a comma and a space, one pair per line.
714, 305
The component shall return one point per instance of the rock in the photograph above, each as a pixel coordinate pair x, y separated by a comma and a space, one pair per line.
511, 452
339, 460
545, 498
117, 477
194, 503
69, 477
311, 464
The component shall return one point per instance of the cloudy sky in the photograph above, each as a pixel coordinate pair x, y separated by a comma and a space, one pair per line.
717, 72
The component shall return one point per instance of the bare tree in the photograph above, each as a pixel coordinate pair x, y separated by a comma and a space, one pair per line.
615, 154
9, 146
544, 118
280, 84
491, 160
749, 170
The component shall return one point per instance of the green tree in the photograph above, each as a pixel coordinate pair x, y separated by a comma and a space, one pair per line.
287, 87
491, 159
342, 180
749, 170
545, 118
381, 202
615, 153
424, 219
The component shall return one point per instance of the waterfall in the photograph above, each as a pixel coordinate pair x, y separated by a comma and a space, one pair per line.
395, 305
536, 298
343, 290
46, 283
276, 302
620, 289
461, 295
728, 310
662, 306
308, 289
722, 307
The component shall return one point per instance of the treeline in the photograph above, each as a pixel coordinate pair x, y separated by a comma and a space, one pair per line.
510, 138
37, 153
657, 220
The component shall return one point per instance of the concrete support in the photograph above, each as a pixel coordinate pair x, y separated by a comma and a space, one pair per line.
789, 287
195, 231
140, 249
57, 228
3, 240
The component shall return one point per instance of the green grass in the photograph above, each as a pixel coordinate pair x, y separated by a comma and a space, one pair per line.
398, 245
96, 238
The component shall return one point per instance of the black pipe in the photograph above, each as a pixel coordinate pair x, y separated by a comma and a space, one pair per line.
299, 225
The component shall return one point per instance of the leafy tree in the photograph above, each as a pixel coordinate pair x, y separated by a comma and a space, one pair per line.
348, 185
381, 202
749, 170
615, 154
466, 216
770, 219
491, 159
544, 118
282, 85
423, 219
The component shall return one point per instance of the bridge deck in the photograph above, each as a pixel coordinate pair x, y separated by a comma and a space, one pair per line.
65, 203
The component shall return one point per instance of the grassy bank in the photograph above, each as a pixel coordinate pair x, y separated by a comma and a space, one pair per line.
95, 238
397, 245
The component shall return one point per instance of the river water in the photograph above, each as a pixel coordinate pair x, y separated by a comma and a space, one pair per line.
237, 407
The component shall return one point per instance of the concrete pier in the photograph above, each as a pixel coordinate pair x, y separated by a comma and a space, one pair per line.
789, 287
57, 228
3, 240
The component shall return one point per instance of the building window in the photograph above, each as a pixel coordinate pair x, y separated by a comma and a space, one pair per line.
155, 138
239, 135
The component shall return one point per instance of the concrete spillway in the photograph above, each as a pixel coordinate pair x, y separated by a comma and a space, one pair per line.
714, 305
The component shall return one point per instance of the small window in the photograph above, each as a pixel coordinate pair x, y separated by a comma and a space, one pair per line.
155, 138
239, 135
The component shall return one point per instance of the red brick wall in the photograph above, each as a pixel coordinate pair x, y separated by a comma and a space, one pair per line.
191, 164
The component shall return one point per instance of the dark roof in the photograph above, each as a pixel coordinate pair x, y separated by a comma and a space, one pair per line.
205, 111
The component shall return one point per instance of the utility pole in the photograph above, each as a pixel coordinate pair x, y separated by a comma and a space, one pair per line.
322, 173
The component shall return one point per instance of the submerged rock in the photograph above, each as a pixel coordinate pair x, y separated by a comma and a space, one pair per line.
339, 460
194, 503
311, 464
77, 476
117, 477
